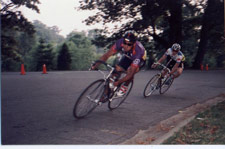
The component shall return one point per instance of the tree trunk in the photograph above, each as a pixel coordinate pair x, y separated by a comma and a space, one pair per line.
202, 47
175, 22
204, 35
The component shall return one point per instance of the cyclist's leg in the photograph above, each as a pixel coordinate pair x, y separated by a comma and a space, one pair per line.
124, 66
141, 65
128, 81
125, 86
164, 73
179, 71
119, 68
170, 65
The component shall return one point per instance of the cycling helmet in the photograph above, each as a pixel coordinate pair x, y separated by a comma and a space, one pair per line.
176, 47
130, 36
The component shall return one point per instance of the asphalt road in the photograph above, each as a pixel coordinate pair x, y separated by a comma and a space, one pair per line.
37, 108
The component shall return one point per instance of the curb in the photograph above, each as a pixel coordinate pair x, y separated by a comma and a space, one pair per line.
157, 134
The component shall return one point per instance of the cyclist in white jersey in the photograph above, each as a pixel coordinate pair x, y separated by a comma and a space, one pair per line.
175, 60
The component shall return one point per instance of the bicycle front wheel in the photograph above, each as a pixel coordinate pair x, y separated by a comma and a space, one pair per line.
116, 101
165, 85
151, 86
89, 99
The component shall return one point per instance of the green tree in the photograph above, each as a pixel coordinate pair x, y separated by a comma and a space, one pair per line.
44, 55
49, 34
81, 49
159, 20
64, 58
147, 17
12, 21
164, 22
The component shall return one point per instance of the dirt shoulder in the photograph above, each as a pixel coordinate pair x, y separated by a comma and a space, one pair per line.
157, 134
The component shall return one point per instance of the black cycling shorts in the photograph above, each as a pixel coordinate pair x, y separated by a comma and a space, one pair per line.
173, 62
126, 61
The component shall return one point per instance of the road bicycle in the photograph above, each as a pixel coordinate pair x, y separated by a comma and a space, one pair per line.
159, 82
100, 91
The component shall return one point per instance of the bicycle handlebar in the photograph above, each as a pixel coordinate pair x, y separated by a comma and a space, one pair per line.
101, 62
109, 67
164, 67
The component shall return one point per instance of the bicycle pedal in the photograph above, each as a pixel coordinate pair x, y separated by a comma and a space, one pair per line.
96, 101
99, 103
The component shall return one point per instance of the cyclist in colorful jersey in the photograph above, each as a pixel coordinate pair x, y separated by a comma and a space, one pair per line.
133, 58
175, 60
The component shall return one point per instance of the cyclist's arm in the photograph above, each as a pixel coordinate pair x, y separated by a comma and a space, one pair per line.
105, 56
109, 53
162, 59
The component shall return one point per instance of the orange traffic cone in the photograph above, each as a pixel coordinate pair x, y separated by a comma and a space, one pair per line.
22, 72
44, 69
207, 67
202, 67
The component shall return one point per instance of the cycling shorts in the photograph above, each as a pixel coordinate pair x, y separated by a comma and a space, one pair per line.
173, 62
126, 61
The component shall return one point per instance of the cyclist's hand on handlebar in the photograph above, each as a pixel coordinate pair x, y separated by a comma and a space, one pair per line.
93, 66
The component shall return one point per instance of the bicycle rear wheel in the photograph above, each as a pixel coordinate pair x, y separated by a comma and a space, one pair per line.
165, 86
116, 101
151, 86
89, 99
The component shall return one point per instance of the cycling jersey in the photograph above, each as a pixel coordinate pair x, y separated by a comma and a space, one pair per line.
179, 57
137, 54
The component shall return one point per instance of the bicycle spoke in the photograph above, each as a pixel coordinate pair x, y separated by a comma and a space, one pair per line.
89, 99
96, 94
116, 101
164, 87
151, 86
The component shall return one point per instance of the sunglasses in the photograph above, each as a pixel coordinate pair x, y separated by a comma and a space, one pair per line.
175, 50
129, 44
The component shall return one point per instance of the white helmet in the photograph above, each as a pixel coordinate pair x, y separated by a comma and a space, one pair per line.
176, 47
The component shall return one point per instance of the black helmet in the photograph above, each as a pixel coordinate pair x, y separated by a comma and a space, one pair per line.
130, 36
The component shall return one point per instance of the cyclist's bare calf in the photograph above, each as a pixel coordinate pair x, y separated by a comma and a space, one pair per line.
131, 71
175, 72
178, 72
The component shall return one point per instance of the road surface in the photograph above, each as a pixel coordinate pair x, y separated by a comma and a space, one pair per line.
37, 108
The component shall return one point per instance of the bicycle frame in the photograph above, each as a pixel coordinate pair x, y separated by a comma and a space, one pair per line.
157, 81
99, 92
164, 68
106, 77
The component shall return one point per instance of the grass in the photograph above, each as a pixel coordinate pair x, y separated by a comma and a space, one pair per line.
207, 128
